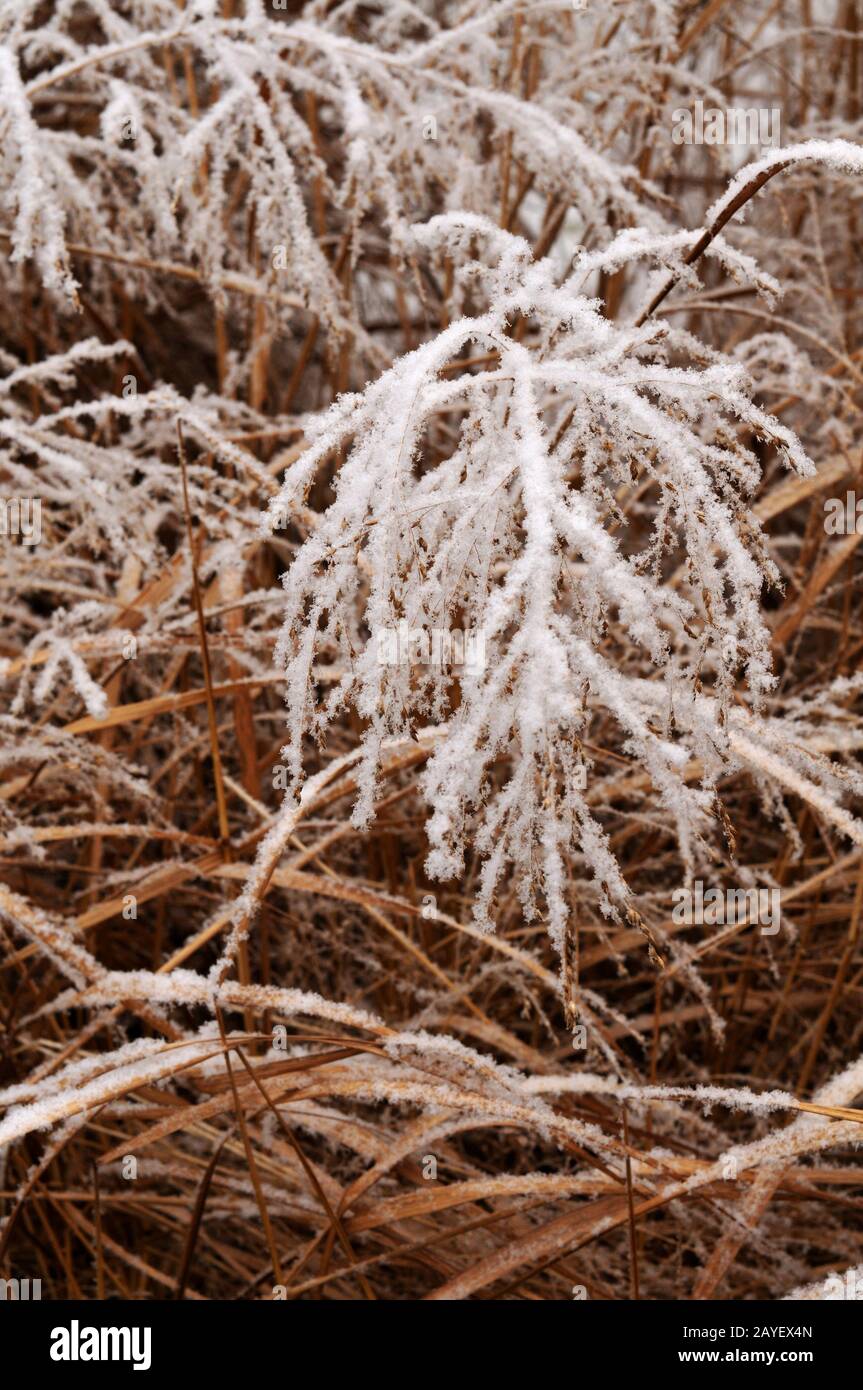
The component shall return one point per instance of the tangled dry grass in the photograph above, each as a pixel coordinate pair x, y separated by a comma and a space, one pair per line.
249, 1043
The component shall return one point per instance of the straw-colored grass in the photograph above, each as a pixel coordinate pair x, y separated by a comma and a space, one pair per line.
249, 1047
